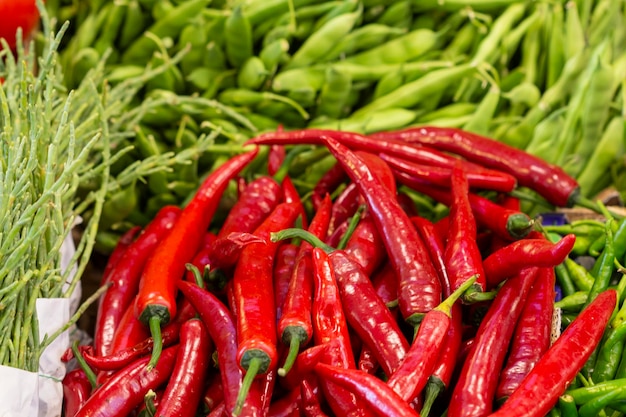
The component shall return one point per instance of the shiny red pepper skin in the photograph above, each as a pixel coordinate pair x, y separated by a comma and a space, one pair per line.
254, 204
532, 334
126, 389
291, 195
441, 176
156, 300
185, 386
436, 249
549, 180
328, 183
330, 326
462, 256
474, 392
507, 223
286, 406
303, 366
254, 295
214, 392
221, 327
372, 391
225, 250
419, 288
366, 246
202, 258
120, 248
124, 278
344, 207
541, 388
129, 333
284, 265
309, 402
515, 256
76, 391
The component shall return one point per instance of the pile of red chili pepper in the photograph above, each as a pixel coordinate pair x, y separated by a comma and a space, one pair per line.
346, 300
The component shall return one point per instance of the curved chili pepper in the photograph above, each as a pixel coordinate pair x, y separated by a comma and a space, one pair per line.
254, 296
474, 391
118, 251
419, 288
76, 391
125, 390
412, 374
523, 253
441, 176
532, 334
507, 223
303, 365
155, 303
370, 390
184, 388
295, 328
291, 195
124, 278
329, 325
328, 183
436, 249
309, 402
366, 245
285, 263
549, 180
221, 327
254, 204
275, 158
344, 207
542, 386
462, 256
225, 249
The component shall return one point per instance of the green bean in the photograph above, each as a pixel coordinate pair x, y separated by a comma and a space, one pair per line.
162, 9
451, 110
260, 11
462, 43
113, 24
303, 30
381, 120
238, 37
452, 122
531, 48
404, 48
346, 6
169, 26
454, 5
362, 38
334, 94
284, 32
556, 46
567, 406
574, 31
214, 57
388, 83
194, 36
252, 74
170, 80
274, 54
399, 15
215, 29
609, 147
243, 97
83, 62
479, 122
512, 40
321, 41
134, 23
412, 93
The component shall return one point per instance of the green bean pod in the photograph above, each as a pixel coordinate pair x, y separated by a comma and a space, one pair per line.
333, 96
362, 38
135, 23
480, 120
399, 15
274, 54
556, 45
252, 74
113, 24
346, 6
238, 38
388, 83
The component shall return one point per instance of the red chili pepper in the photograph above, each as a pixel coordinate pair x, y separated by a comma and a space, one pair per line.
515, 256
328, 183
441, 176
436, 249
549, 180
225, 249
329, 325
129, 333
542, 386
473, 394
344, 207
155, 304
412, 374
532, 334
214, 392
419, 288
309, 401
218, 411
202, 259
462, 256
371, 391
284, 265
291, 195
255, 203
120, 248
76, 391
254, 296
125, 390
295, 328
286, 406
124, 278
221, 327
303, 365
185, 387
275, 158
510, 224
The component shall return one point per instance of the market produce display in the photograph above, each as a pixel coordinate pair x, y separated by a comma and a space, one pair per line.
334, 208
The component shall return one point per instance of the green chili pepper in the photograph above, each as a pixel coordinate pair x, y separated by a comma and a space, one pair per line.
609, 356
597, 404
585, 394
118, 206
604, 266
564, 280
573, 302
567, 406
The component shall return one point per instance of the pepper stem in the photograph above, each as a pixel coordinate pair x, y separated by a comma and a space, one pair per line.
446, 305
148, 400
196, 274
432, 390
157, 341
294, 233
294, 348
253, 369
91, 375
472, 295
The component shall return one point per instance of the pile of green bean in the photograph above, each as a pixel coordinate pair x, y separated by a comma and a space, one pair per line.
545, 76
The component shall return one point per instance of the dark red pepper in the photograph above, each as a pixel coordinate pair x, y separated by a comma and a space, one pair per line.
303, 365
118, 251
419, 289
508, 223
328, 183
309, 401
284, 265
295, 328
532, 334
462, 256
129, 333
125, 390
436, 249
155, 304
124, 278
214, 392
515, 256
549, 180
441, 176
344, 207
185, 386
542, 386
474, 392
76, 391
